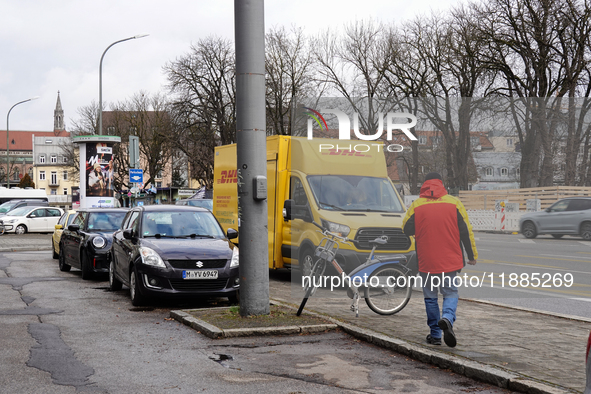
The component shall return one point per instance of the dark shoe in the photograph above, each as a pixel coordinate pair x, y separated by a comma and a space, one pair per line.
433, 341
448, 332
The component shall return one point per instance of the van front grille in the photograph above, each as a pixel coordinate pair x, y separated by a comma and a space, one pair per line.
397, 240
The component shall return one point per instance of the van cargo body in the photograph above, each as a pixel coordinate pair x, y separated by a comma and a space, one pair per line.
22, 194
342, 184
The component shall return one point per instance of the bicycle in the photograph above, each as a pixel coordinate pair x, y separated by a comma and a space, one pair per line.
387, 295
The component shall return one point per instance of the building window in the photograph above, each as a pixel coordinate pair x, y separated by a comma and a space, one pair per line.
65, 175
16, 174
509, 141
65, 191
422, 140
31, 172
158, 184
64, 159
48, 141
41, 175
53, 192
489, 171
54, 177
53, 158
504, 171
111, 130
159, 174
518, 171
42, 159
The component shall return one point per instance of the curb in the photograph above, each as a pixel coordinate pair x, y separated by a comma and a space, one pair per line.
460, 365
214, 332
26, 249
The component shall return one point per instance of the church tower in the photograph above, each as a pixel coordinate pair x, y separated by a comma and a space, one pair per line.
58, 116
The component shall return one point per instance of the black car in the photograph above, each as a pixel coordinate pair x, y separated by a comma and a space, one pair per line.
86, 243
174, 250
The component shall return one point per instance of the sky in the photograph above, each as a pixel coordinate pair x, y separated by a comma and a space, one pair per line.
51, 46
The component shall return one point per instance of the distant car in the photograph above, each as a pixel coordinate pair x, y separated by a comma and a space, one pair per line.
569, 216
86, 243
197, 202
588, 367
64, 221
173, 250
11, 205
31, 219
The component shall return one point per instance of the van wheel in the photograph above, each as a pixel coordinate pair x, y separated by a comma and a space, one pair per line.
586, 231
307, 261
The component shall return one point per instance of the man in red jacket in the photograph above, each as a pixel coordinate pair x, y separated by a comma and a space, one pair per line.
441, 227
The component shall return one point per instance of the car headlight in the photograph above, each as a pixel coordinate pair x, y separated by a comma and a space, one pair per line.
235, 259
10, 221
99, 242
337, 228
150, 257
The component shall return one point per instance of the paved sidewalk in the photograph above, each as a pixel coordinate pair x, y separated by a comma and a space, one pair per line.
32, 241
513, 344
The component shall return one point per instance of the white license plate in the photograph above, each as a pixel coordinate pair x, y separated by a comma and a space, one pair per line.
202, 274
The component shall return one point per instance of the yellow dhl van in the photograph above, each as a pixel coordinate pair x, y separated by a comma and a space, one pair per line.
335, 183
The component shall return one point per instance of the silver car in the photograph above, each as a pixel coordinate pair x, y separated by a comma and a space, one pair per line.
569, 216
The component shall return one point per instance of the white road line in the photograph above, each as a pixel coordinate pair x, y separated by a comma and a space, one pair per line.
526, 241
564, 256
485, 250
586, 243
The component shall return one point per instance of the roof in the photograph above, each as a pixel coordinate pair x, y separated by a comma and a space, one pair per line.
23, 140
497, 159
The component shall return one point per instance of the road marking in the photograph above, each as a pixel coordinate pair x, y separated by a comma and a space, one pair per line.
586, 243
476, 239
552, 258
562, 255
486, 250
526, 241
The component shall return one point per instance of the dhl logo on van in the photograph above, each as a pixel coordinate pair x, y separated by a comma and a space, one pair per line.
230, 176
342, 152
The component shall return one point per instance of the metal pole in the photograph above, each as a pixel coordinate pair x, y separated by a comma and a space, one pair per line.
8, 142
252, 159
101, 78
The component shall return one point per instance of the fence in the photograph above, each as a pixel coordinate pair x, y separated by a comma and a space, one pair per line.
490, 220
485, 199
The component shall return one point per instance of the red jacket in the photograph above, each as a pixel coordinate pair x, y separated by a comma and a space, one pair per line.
440, 225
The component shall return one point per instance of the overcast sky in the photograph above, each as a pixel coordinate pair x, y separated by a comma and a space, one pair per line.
50, 46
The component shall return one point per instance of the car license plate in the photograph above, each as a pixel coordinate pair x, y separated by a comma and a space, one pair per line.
202, 274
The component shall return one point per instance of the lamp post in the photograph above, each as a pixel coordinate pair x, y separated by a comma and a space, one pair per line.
101, 78
8, 140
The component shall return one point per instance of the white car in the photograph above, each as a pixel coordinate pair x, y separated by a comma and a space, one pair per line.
31, 219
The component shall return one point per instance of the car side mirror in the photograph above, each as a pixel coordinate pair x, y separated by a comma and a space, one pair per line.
74, 227
128, 233
232, 234
548, 210
59, 227
32, 215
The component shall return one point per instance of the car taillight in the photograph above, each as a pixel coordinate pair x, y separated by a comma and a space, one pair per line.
588, 347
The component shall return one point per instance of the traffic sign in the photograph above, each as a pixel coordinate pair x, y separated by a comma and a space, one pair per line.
136, 175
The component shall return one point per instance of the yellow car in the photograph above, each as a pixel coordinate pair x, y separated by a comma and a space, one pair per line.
64, 221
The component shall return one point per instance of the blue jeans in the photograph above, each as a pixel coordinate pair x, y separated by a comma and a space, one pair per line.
450, 299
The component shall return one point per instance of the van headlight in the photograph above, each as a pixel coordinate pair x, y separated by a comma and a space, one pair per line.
235, 260
337, 228
99, 242
150, 257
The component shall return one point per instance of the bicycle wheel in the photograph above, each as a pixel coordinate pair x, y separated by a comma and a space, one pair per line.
310, 288
390, 293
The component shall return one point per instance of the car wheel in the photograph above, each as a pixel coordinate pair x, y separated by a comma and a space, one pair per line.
85, 266
20, 229
307, 261
55, 255
529, 230
62, 261
137, 299
114, 283
558, 236
586, 231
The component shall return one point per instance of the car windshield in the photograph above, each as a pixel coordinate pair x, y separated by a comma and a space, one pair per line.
354, 193
181, 224
19, 211
7, 206
105, 221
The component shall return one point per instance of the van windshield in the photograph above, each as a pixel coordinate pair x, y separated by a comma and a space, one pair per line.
354, 193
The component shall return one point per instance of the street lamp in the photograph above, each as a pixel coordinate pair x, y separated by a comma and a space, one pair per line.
8, 142
101, 78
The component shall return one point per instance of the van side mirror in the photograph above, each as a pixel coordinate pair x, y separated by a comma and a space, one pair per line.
232, 234
287, 209
128, 233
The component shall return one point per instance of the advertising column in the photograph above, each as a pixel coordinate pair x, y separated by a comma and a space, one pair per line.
97, 171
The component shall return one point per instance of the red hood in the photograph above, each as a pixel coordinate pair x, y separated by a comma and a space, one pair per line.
433, 188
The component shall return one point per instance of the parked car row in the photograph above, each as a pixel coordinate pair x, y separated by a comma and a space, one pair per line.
157, 251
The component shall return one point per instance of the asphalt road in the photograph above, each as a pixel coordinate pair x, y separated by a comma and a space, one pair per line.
60, 334
543, 273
